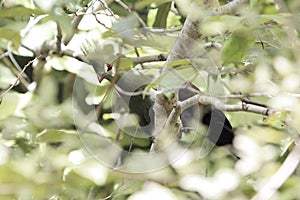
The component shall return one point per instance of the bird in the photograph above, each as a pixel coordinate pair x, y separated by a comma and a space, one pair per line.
219, 128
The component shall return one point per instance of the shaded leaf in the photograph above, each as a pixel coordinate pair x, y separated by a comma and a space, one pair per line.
162, 15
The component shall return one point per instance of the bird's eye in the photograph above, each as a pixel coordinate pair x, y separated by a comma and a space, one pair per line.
107, 67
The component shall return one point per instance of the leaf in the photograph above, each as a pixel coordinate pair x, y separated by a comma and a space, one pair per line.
11, 35
124, 63
231, 22
13, 103
180, 62
235, 48
125, 24
20, 11
144, 3
162, 15
7, 77
52, 135
64, 22
188, 72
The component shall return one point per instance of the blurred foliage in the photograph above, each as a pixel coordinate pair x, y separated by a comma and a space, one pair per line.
54, 146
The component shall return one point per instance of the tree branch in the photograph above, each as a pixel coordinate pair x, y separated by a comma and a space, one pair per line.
229, 8
190, 31
244, 106
18, 78
123, 5
152, 58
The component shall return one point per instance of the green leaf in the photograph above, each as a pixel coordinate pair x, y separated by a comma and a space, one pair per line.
124, 63
64, 22
52, 135
162, 15
12, 103
19, 11
7, 77
144, 3
235, 48
231, 22
11, 35
180, 62
188, 72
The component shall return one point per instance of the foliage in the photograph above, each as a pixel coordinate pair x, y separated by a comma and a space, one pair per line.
48, 150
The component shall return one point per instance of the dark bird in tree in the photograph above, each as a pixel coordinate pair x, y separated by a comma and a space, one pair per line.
219, 132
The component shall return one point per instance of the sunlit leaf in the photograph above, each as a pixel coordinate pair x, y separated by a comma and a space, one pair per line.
7, 77
180, 62
52, 136
12, 104
12, 36
19, 11
124, 63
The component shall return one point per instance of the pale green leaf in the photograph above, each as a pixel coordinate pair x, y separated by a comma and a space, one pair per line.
12, 36
144, 3
19, 11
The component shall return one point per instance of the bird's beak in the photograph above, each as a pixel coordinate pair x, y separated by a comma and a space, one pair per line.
101, 77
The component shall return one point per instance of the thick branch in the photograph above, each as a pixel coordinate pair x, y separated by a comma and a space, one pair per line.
189, 34
229, 8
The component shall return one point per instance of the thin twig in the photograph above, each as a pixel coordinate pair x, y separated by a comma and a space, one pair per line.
18, 78
58, 37
122, 4
99, 22
16, 64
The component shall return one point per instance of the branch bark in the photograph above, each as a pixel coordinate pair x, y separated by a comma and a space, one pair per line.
229, 8
208, 100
